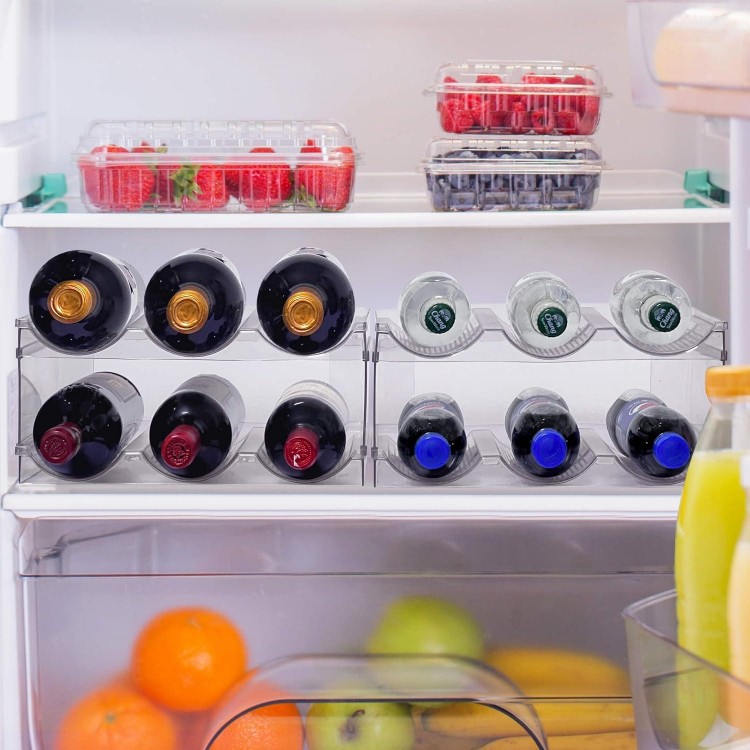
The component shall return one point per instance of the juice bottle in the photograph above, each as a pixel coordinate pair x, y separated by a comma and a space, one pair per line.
712, 511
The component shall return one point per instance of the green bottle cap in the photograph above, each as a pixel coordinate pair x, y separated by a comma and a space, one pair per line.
440, 318
552, 322
664, 316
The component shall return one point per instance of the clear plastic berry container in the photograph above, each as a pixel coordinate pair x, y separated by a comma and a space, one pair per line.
507, 174
242, 165
518, 98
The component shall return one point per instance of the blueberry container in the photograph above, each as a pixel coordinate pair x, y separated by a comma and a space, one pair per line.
218, 166
512, 174
518, 98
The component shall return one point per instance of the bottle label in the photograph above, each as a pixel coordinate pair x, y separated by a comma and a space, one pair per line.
221, 391
552, 322
626, 415
664, 316
439, 318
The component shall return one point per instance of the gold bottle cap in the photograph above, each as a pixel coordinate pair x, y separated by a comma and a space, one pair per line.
303, 312
187, 311
71, 301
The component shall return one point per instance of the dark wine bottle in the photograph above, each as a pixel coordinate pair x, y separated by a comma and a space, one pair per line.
544, 437
81, 302
81, 430
193, 432
431, 438
659, 439
194, 304
305, 302
305, 435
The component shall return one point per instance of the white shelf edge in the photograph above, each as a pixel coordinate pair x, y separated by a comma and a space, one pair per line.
370, 220
345, 505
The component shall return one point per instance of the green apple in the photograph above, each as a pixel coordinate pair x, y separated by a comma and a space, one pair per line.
427, 625
359, 726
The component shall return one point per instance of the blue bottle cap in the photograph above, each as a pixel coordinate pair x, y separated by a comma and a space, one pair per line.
548, 448
432, 451
671, 451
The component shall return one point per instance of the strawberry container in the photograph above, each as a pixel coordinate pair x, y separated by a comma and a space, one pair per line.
517, 98
235, 166
506, 174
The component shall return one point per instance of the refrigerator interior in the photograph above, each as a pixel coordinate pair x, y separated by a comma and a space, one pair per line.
364, 64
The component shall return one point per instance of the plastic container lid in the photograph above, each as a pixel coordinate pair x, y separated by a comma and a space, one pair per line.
432, 451
671, 450
488, 155
549, 448
728, 381
178, 139
181, 446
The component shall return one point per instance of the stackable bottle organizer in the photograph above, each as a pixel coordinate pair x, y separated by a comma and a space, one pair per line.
319, 587
259, 370
486, 368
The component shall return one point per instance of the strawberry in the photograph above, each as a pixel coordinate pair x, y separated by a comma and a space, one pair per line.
93, 177
197, 187
144, 148
260, 186
326, 185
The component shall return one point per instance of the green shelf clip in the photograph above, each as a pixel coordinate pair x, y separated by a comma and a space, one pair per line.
697, 182
53, 186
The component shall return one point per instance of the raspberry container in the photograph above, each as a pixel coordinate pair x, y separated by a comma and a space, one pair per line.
518, 98
236, 166
507, 174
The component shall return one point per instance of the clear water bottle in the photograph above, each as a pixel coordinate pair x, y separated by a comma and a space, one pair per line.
650, 307
543, 310
434, 309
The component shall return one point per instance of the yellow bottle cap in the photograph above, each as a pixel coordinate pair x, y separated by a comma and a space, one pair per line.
187, 311
303, 312
71, 301
728, 381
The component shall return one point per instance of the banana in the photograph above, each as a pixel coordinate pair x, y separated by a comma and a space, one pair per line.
565, 718
607, 741
554, 672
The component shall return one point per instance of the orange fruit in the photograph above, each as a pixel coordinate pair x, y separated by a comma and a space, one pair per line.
116, 718
274, 727
186, 659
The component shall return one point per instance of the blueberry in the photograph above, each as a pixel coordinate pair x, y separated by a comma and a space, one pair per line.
586, 200
585, 154
462, 181
586, 183
547, 187
530, 199
496, 200
565, 199
466, 201
524, 182
528, 155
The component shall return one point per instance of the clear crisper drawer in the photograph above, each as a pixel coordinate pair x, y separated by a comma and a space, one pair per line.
691, 56
542, 594
260, 371
241, 165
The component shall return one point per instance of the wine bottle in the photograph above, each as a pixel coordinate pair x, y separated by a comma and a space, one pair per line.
194, 303
543, 310
544, 437
81, 302
650, 307
434, 309
431, 438
81, 430
305, 302
305, 436
193, 432
660, 440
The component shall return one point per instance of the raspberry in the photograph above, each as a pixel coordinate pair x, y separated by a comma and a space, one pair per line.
454, 118
519, 120
590, 115
534, 79
567, 122
543, 121
489, 79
